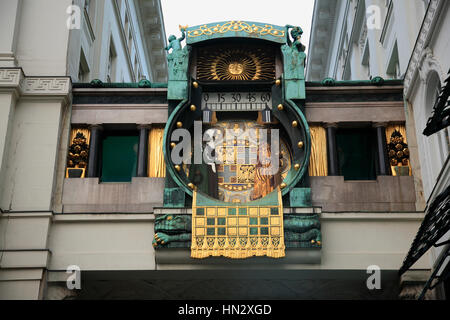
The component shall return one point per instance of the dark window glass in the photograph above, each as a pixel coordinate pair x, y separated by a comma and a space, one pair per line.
119, 158
357, 153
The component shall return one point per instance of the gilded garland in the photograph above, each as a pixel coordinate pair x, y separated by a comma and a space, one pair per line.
236, 26
398, 150
235, 64
78, 152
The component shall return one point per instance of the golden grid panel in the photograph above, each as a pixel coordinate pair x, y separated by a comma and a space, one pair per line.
237, 232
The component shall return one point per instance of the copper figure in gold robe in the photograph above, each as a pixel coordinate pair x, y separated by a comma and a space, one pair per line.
264, 183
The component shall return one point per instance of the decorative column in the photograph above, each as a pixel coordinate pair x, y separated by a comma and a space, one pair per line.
143, 150
94, 149
382, 149
333, 166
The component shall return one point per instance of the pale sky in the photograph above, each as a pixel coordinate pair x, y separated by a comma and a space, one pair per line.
277, 12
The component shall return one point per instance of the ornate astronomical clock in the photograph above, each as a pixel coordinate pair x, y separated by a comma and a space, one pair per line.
236, 92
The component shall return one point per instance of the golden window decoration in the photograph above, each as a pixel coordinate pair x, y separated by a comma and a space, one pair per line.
78, 153
156, 165
398, 167
236, 64
318, 166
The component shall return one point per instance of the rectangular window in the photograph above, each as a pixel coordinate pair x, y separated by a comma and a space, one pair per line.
357, 153
83, 71
111, 67
119, 156
89, 7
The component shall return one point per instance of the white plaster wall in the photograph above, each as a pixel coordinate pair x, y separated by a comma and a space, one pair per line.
109, 23
403, 28
102, 242
433, 152
123, 242
20, 289
30, 167
408, 15
140, 49
7, 106
356, 241
9, 15
338, 34
43, 37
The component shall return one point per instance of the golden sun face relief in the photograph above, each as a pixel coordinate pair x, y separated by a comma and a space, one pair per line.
234, 64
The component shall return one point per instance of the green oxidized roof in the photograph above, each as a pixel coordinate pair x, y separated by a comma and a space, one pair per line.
148, 84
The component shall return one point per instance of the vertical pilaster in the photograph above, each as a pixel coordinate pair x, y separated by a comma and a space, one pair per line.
9, 16
142, 162
333, 166
94, 149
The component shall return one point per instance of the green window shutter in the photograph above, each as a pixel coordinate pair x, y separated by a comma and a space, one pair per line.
119, 158
357, 154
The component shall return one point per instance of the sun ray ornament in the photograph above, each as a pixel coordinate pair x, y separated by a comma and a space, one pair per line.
235, 64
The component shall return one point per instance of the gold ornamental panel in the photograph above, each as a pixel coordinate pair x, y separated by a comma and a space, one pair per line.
235, 64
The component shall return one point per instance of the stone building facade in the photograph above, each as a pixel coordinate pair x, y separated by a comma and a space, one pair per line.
64, 210
45, 46
409, 44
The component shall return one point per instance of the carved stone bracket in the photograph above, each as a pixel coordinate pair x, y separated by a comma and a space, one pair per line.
428, 62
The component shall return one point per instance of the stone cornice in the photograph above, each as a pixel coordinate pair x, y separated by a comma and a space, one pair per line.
14, 79
428, 24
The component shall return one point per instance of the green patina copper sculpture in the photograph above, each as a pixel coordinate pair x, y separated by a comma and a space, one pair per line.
175, 231
378, 81
178, 61
144, 83
294, 64
329, 82
302, 231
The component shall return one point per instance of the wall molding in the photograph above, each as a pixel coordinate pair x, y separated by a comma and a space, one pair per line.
425, 34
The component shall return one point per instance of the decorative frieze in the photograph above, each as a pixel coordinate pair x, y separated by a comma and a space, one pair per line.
46, 86
10, 77
14, 78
